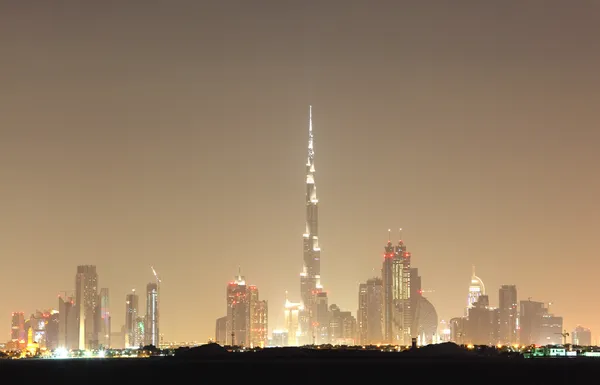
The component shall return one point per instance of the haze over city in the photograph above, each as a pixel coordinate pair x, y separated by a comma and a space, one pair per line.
175, 136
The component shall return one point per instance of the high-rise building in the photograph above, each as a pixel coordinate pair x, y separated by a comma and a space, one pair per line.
131, 317
321, 326
258, 319
238, 312
151, 328
476, 288
310, 278
342, 327
221, 331
86, 300
140, 331
482, 323
396, 277
403, 318
68, 327
581, 336
370, 314
246, 322
388, 306
104, 321
52, 329
508, 313
292, 327
537, 326
260, 324
17, 330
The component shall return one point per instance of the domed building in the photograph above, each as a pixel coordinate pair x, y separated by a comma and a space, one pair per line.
425, 322
476, 289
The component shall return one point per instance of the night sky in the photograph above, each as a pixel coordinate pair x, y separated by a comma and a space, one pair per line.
174, 134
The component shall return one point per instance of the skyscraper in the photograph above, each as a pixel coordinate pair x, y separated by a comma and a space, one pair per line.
310, 278
238, 312
86, 301
258, 319
403, 313
131, 317
508, 312
370, 315
68, 327
387, 275
151, 329
17, 331
104, 321
476, 288
581, 336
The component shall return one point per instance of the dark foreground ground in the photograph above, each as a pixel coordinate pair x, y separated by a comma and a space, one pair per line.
306, 371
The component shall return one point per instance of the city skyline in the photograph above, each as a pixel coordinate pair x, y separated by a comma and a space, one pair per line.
176, 138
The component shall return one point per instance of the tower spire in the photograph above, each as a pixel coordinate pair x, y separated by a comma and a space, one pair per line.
473, 267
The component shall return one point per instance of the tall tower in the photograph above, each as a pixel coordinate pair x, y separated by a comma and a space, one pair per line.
105, 318
238, 312
86, 301
131, 316
151, 327
402, 288
310, 278
508, 312
387, 276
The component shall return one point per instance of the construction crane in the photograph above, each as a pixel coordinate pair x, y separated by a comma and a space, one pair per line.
564, 335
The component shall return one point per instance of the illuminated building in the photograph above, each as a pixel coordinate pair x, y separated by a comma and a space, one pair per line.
425, 321
370, 315
131, 316
52, 329
151, 329
342, 327
140, 331
258, 319
403, 316
508, 313
279, 338
550, 330
388, 308
246, 322
476, 288
396, 277
531, 323
17, 330
444, 332
104, 322
221, 331
310, 278
238, 312
86, 300
68, 327
321, 326
581, 336
292, 327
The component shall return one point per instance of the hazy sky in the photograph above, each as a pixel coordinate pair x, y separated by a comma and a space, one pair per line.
173, 134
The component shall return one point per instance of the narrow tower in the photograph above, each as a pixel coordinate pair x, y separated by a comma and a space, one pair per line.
310, 278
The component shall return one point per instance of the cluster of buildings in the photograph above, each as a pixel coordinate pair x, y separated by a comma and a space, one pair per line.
83, 320
513, 322
391, 308
308, 321
246, 322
